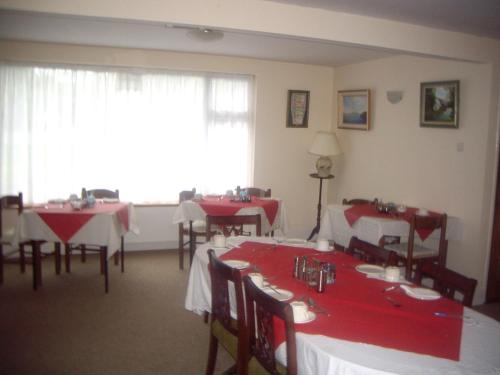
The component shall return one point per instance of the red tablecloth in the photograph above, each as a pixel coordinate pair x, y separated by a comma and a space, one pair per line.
359, 310
225, 207
65, 222
355, 212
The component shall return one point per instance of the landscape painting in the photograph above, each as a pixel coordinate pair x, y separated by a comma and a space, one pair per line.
354, 109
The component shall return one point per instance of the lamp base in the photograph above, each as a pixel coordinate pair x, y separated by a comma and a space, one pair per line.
324, 166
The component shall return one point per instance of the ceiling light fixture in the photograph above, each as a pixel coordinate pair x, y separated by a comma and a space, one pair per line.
205, 35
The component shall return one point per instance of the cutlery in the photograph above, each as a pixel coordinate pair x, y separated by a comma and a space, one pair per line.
316, 308
448, 315
388, 289
274, 289
393, 302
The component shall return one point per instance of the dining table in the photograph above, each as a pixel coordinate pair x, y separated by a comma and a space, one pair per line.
272, 212
368, 225
101, 225
361, 323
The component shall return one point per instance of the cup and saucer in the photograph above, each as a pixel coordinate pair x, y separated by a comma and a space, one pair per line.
301, 312
323, 245
422, 212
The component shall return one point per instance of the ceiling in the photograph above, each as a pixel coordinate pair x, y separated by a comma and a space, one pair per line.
477, 17
458, 15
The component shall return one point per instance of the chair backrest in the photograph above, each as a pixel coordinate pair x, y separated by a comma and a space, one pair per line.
101, 193
220, 275
254, 191
371, 253
356, 201
428, 223
187, 194
261, 308
232, 224
447, 281
11, 206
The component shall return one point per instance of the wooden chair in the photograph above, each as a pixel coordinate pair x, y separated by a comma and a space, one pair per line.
83, 248
232, 224
371, 253
254, 192
224, 330
261, 309
357, 201
13, 205
447, 282
194, 229
411, 253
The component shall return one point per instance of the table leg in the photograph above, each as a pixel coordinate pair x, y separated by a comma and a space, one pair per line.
104, 252
122, 254
57, 254
67, 257
192, 243
37, 264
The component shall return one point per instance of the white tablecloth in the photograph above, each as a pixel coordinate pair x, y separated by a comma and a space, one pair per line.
103, 229
191, 210
334, 226
316, 354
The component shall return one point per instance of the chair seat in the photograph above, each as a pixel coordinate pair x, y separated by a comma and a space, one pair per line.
418, 251
226, 338
255, 368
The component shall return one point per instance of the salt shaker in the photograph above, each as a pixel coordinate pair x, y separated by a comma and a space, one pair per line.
296, 267
321, 285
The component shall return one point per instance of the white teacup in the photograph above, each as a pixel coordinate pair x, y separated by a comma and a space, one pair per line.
257, 279
322, 245
300, 311
422, 212
219, 240
229, 193
392, 273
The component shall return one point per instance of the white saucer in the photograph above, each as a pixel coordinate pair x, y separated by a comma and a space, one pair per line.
238, 264
381, 276
370, 269
330, 248
280, 295
421, 293
295, 241
310, 318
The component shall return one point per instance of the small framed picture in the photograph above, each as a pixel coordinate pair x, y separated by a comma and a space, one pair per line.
439, 104
297, 112
354, 109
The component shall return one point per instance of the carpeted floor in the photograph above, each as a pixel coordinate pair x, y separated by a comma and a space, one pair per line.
70, 326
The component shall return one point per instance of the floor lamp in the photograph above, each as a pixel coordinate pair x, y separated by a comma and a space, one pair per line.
325, 145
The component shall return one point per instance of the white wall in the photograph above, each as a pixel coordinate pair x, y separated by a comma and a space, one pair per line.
281, 159
399, 161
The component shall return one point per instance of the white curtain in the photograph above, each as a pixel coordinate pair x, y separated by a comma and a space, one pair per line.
149, 134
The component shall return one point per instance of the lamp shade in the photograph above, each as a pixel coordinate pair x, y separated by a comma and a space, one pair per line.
325, 144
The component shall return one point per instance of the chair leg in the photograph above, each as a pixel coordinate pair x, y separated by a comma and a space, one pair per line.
102, 260
104, 264
84, 254
22, 259
212, 355
181, 246
1, 264
116, 258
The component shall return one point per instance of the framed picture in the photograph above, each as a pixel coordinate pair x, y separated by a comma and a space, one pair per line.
354, 109
439, 104
297, 110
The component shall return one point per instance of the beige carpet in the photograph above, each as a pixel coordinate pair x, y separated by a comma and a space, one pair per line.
70, 326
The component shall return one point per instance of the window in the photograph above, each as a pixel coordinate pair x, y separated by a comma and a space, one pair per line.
150, 134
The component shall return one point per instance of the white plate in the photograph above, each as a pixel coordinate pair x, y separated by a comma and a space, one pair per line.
279, 294
381, 276
238, 264
421, 293
295, 241
370, 269
110, 200
311, 316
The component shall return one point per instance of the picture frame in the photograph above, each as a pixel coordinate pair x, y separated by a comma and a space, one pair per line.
354, 109
297, 112
439, 104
